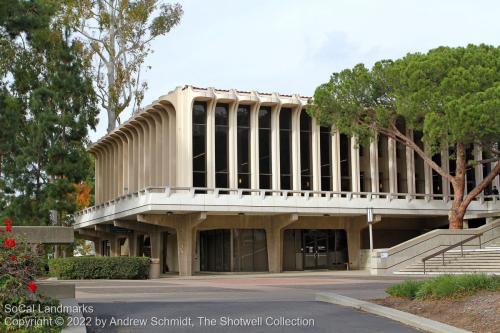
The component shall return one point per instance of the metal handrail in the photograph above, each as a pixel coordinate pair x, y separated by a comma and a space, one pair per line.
448, 248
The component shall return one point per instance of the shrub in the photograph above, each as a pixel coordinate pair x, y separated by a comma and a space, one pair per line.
407, 289
18, 269
453, 286
445, 286
99, 268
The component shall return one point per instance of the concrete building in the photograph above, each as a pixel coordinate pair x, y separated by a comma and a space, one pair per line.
225, 180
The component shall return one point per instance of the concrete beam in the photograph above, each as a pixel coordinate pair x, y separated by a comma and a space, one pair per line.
136, 226
44, 235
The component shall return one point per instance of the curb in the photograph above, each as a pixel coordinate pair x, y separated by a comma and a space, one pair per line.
379, 310
78, 315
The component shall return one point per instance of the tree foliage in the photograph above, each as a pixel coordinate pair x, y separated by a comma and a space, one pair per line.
47, 103
119, 34
451, 95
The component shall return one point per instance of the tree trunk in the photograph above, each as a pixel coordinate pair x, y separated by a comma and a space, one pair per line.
457, 211
111, 120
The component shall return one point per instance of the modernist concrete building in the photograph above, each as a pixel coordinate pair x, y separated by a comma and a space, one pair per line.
209, 180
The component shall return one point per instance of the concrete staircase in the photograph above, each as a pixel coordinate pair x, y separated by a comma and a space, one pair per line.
485, 260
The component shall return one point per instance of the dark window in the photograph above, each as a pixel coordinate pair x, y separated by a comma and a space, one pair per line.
250, 250
345, 163
470, 173
221, 145
243, 128
286, 148
380, 147
305, 151
215, 250
265, 148
326, 158
199, 144
437, 184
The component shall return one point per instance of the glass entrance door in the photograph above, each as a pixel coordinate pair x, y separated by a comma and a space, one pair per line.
315, 249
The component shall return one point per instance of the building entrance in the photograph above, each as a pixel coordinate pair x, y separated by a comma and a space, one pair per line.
314, 249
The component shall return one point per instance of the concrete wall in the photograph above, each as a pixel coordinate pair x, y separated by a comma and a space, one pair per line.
45, 235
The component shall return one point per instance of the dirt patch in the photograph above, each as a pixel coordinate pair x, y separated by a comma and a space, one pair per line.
477, 313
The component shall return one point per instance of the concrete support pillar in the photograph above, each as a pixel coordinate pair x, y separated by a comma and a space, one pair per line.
97, 246
165, 174
354, 164
375, 183
410, 166
185, 226
336, 160
132, 243
316, 156
186, 242
445, 165
393, 169
353, 245
478, 168
155, 239
274, 240
114, 247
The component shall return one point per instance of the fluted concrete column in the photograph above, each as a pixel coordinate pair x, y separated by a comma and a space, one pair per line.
165, 146
428, 176
275, 147
393, 169
152, 152
232, 145
125, 163
254, 146
335, 160
98, 176
139, 148
316, 155
160, 144
107, 172
210, 149
174, 148
296, 179
354, 164
136, 158
478, 168
445, 165
374, 173
410, 166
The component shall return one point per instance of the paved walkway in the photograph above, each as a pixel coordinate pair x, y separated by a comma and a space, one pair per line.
281, 297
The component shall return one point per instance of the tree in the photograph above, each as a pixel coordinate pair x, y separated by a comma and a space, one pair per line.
119, 33
452, 95
47, 97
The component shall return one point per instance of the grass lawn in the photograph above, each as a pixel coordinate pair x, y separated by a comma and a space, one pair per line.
471, 302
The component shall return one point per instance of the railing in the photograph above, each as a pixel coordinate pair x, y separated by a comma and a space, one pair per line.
446, 249
286, 193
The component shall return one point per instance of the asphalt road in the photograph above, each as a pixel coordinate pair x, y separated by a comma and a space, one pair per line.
248, 303
310, 316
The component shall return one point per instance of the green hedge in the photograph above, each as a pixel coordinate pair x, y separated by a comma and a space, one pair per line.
445, 286
99, 268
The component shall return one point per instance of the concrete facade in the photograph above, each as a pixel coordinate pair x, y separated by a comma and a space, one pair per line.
148, 200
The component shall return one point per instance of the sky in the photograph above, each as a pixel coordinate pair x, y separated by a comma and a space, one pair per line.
293, 46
